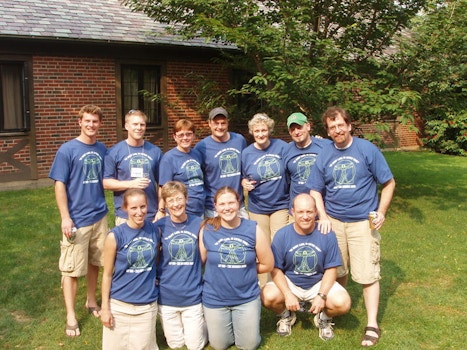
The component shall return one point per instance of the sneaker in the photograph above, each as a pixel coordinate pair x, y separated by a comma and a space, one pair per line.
325, 327
284, 325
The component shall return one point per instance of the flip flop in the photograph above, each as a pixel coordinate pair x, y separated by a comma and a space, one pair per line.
74, 329
94, 310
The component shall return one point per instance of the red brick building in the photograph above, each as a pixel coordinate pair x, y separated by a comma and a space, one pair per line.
57, 55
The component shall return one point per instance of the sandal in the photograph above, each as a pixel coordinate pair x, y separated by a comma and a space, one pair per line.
74, 329
370, 338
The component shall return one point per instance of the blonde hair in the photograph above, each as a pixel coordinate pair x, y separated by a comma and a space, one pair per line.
172, 187
135, 112
215, 222
132, 192
261, 118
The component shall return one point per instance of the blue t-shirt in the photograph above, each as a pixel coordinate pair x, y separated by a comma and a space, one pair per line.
230, 276
299, 161
267, 168
134, 276
304, 258
348, 179
221, 164
179, 267
80, 167
185, 167
124, 162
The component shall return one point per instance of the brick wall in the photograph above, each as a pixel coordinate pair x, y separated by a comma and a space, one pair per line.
62, 85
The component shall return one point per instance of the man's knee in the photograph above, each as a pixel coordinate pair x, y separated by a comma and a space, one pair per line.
340, 301
270, 295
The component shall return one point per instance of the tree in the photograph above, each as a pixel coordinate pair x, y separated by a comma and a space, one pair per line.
433, 61
303, 55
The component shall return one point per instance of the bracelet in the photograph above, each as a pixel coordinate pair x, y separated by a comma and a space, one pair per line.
162, 210
322, 296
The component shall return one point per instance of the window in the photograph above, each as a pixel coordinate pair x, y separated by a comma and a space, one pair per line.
138, 82
14, 108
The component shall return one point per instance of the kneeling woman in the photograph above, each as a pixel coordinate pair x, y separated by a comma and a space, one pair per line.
234, 251
129, 291
179, 272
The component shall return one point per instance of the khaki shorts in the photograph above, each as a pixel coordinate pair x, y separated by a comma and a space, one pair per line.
87, 248
134, 327
360, 250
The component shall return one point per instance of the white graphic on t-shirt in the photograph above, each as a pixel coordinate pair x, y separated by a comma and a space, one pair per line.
344, 173
305, 260
304, 167
139, 166
140, 254
269, 168
181, 249
229, 163
92, 167
232, 254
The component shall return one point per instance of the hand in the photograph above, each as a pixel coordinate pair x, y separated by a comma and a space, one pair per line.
67, 225
159, 215
317, 305
106, 318
291, 302
248, 185
140, 182
324, 226
379, 220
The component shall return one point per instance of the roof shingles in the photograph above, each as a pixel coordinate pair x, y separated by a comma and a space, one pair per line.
96, 20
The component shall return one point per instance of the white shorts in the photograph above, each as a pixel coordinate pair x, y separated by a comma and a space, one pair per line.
184, 326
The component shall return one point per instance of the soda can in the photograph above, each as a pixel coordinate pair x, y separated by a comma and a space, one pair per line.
72, 238
371, 216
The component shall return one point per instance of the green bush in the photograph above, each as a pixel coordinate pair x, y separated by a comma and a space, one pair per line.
448, 136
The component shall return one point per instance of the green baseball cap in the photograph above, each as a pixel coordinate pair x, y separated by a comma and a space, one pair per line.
297, 118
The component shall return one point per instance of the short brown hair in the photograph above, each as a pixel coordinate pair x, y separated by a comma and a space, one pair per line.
184, 124
91, 109
332, 113
172, 187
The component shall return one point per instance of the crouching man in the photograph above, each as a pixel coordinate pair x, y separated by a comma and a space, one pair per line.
305, 272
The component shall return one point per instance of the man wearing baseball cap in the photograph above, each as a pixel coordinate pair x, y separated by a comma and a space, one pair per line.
221, 159
301, 153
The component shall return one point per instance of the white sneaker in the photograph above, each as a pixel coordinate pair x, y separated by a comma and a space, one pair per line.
325, 327
284, 325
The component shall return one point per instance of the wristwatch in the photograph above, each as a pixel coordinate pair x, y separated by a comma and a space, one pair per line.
322, 296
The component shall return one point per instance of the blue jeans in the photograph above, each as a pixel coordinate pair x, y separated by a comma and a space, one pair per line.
237, 325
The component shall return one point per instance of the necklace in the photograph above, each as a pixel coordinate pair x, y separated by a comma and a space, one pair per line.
179, 225
129, 150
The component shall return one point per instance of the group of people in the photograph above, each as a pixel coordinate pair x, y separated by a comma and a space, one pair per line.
305, 228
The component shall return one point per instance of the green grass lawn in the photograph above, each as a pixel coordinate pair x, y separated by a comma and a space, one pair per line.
423, 304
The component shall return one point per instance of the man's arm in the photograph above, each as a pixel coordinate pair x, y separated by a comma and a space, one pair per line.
122, 185
62, 204
324, 224
291, 301
319, 302
387, 193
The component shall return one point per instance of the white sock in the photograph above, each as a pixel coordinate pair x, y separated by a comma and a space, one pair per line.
284, 314
323, 316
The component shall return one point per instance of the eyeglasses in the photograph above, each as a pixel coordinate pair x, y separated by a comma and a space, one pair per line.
184, 134
177, 200
336, 128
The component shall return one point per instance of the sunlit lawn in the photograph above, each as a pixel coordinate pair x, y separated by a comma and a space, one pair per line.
424, 270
